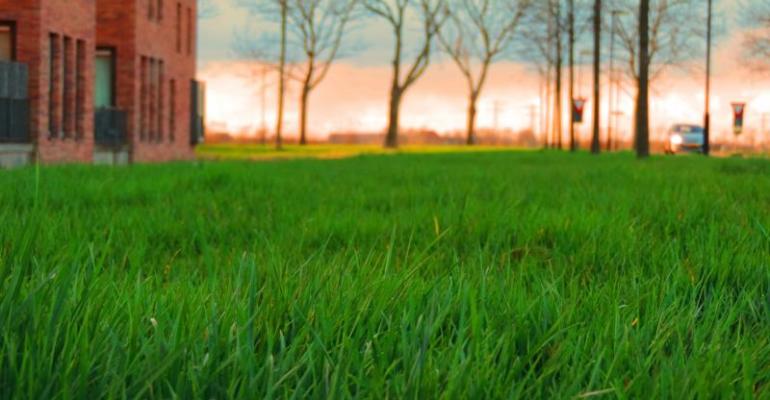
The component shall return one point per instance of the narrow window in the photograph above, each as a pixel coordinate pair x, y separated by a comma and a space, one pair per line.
151, 101
80, 89
189, 31
53, 85
172, 110
154, 110
160, 10
104, 85
143, 100
178, 27
160, 100
7, 41
67, 109
150, 9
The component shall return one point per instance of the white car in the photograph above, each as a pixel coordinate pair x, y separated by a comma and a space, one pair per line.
685, 138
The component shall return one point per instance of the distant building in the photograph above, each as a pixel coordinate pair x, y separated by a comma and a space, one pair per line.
106, 81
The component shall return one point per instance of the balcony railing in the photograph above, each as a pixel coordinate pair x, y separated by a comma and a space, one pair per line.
110, 127
14, 105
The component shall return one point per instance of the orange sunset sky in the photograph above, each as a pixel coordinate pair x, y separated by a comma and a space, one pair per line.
354, 95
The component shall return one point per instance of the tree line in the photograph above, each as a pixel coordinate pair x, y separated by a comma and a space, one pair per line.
647, 36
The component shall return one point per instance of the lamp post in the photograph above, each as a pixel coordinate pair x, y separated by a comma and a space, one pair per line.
707, 114
595, 145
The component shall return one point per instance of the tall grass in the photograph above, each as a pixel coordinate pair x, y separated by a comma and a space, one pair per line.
516, 275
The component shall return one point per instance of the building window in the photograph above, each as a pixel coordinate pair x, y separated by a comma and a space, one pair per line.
150, 9
160, 10
153, 104
172, 110
104, 88
53, 85
80, 89
143, 100
7, 41
67, 109
152, 99
178, 27
159, 84
189, 31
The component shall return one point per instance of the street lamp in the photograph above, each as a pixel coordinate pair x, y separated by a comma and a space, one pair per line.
707, 114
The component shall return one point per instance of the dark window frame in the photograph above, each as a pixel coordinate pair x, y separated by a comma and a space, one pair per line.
189, 31
14, 37
160, 98
143, 99
80, 87
67, 89
179, 27
172, 109
54, 59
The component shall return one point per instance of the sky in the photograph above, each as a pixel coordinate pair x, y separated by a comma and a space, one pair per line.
353, 98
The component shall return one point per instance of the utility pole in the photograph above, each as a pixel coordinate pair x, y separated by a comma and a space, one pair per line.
571, 28
642, 131
707, 114
612, 118
595, 145
557, 128
281, 76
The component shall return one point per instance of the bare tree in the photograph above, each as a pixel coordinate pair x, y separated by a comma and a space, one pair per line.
595, 146
674, 35
538, 49
676, 32
642, 136
260, 47
476, 35
319, 26
284, 7
572, 39
555, 13
577, 22
431, 15
756, 40
544, 31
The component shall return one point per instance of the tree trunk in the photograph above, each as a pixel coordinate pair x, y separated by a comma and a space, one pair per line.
391, 137
595, 144
303, 101
471, 128
281, 78
572, 144
557, 124
642, 134
548, 108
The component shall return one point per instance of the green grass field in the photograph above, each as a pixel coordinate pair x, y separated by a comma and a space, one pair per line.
497, 274
256, 152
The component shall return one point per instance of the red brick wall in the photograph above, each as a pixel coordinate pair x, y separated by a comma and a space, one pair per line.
127, 26
75, 19
26, 16
35, 20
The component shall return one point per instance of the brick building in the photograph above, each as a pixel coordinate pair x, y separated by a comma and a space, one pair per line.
105, 81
